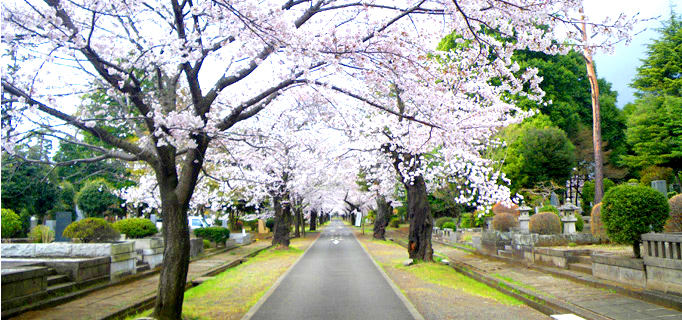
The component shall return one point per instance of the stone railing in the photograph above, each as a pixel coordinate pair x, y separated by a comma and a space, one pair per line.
663, 260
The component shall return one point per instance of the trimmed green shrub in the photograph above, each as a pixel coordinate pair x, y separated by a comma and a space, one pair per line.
41, 234
674, 223
270, 224
587, 194
549, 208
580, 223
11, 224
395, 223
207, 244
545, 223
442, 220
96, 199
671, 194
629, 211
596, 225
91, 230
135, 228
467, 220
213, 234
450, 225
252, 224
504, 221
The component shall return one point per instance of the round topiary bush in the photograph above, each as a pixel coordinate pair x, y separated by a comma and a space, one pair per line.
549, 208
674, 223
450, 225
504, 222
501, 208
11, 224
41, 234
213, 234
629, 211
443, 220
596, 225
135, 228
545, 223
91, 230
395, 223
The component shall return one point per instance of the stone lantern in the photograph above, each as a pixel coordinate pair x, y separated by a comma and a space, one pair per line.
524, 218
568, 217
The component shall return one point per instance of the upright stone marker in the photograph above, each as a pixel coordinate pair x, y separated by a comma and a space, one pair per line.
63, 220
261, 226
554, 200
524, 219
660, 186
358, 219
226, 223
152, 217
34, 222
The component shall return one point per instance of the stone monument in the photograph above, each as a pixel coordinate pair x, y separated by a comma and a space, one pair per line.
524, 218
660, 186
63, 220
261, 226
568, 217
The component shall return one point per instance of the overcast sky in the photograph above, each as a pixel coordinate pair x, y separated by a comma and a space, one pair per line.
620, 68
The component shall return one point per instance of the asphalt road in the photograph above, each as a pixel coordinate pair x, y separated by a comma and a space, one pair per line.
335, 279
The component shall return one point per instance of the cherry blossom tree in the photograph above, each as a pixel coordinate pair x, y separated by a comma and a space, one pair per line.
185, 73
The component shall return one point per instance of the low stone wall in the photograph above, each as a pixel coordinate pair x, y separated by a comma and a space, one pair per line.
23, 284
122, 254
150, 250
621, 269
447, 234
663, 260
556, 257
492, 241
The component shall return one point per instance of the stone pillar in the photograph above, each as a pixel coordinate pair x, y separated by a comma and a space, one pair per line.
524, 219
660, 186
489, 223
226, 223
63, 220
261, 226
152, 217
34, 222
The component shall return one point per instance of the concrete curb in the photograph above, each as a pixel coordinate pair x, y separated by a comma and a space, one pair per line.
542, 303
272, 289
410, 307
149, 302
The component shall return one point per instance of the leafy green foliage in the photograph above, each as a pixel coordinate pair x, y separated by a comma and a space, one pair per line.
674, 223
395, 223
467, 220
504, 222
587, 195
214, 234
442, 220
580, 223
270, 224
629, 211
41, 234
97, 199
91, 230
450, 225
550, 208
500, 208
545, 223
654, 173
135, 227
11, 224
28, 186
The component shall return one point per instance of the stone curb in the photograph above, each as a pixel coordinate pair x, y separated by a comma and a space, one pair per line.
658, 298
544, 304
149, 302
75, 295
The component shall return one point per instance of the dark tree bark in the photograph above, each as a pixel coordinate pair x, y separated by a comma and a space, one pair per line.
421, 221
418, 209
297, 222
280, 237
381, 221
313, 220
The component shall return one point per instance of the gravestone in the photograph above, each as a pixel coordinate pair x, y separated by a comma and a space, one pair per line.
152, 217
261, 226
80, 215
225, 223
63, 220
52, 224
554, 200
660, 186
358, 219
524, 219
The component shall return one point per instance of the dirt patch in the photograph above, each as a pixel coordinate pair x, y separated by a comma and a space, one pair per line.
439, 292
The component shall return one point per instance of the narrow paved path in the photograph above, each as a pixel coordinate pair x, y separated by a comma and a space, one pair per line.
335, 279
101, 303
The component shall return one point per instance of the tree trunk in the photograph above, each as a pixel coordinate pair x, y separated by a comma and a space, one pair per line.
313, 220
301, 218
297, 222
280, 237
382, 218
596, 120
421, 221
